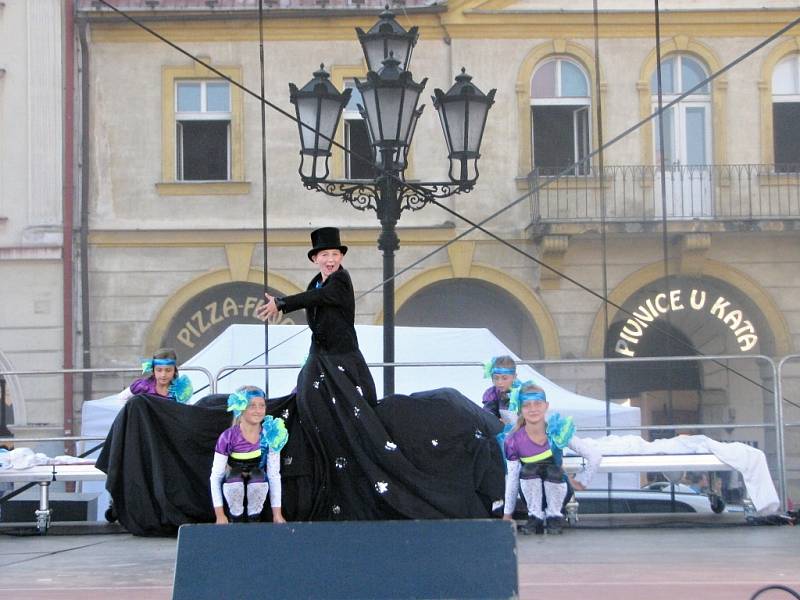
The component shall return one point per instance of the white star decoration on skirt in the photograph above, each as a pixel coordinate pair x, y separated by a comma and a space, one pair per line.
382, 487
390, 446
356, 410
340, 367
333, 400
285, 414
358, 389
336, 509
316, 385
434, 442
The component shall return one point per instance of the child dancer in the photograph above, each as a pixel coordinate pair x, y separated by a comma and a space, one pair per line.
241, 456
502, 370
162, 379
534, 454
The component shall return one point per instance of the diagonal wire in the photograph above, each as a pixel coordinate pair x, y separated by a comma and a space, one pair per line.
479, 225
263, 178
260, 97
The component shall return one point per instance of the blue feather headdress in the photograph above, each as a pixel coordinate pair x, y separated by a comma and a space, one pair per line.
560, 430
181, 389
489, 369
513, 396
516, 397
239, 400
274, 434
147, 365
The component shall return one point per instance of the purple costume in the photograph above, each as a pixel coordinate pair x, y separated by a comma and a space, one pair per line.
494, 401
519, 446
232, 441
226, 479
146, 385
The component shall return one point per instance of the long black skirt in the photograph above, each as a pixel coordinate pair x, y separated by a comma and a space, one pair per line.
430, 455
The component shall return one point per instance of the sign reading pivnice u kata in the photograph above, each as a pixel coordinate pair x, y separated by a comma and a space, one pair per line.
696, 299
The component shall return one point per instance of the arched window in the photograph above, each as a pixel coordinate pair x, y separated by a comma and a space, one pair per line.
687, 137
687, 125
786, 114
560, 109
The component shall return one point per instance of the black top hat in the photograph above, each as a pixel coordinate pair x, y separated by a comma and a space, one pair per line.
325, 238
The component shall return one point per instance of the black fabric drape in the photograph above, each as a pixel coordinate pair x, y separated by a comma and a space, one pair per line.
435, 452
157, 458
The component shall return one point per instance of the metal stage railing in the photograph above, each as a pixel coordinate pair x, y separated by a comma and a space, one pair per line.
774, 371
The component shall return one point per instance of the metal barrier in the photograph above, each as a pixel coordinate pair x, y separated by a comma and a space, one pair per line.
779, 394
776, 372
777, 425
780, 453
107, 370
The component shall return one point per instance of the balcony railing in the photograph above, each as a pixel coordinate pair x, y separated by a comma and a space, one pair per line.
633, 193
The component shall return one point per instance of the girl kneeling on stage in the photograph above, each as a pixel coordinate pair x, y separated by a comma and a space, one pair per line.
534, 451
244, 452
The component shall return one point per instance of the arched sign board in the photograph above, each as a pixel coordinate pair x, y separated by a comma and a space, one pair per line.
710, 304
210, 312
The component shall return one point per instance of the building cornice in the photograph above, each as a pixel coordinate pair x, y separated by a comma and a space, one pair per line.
365, 236
327, 25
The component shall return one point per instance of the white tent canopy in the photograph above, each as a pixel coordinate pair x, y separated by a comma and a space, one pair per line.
289, 345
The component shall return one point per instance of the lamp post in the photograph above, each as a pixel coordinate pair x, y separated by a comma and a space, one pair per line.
391, 112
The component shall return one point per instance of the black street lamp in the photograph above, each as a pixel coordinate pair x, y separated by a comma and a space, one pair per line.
391, 113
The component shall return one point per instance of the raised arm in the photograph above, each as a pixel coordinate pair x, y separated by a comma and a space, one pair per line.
337, 291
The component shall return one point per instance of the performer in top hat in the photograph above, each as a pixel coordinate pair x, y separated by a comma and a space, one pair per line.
350, 457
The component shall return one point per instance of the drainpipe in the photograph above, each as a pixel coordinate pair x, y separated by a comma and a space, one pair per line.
67, 205
84, 209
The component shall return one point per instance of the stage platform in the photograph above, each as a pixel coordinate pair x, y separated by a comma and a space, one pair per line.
619, 559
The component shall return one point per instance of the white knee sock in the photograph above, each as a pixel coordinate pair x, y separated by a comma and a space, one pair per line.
532, 491
555, 494
256, 495
234, 495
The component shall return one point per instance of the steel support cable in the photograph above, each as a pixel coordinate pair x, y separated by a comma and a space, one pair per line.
244, 88
603, 237
479, 225
263, 179
621, 309
663, 182
601, 174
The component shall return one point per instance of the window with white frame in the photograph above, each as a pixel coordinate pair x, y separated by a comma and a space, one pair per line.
786, 114
560, 109
203, 130
357, 160
687, 124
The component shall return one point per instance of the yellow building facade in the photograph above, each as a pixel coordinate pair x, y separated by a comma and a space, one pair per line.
176, 252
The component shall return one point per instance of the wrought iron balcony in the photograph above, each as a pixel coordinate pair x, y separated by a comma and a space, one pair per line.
633, 193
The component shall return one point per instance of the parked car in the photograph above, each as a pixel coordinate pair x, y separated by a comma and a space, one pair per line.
664, 486
641, 501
